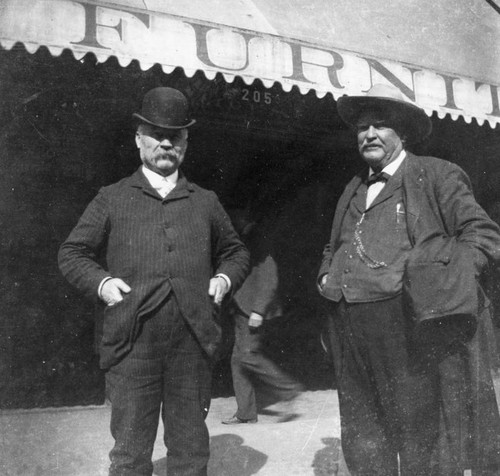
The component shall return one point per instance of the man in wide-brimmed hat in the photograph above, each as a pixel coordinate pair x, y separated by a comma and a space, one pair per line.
407, 359
171, 255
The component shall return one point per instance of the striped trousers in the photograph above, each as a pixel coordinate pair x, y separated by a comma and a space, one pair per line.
166, 374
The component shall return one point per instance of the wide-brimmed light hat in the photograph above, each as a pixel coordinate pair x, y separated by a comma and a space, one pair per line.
387, 99
166, 108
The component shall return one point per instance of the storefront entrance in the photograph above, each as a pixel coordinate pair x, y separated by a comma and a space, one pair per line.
66, 130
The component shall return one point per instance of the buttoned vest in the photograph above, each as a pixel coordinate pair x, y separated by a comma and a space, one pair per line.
369, 261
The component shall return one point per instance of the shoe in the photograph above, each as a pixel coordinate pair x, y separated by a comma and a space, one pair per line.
287, 410
234, 420
286, 417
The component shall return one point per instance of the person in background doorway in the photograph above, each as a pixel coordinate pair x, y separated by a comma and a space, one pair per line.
171, 257
407, 317
256, 302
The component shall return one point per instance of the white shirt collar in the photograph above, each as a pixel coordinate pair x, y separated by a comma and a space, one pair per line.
393, 166
158, 181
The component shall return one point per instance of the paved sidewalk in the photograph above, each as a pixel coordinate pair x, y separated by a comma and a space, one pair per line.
76, 441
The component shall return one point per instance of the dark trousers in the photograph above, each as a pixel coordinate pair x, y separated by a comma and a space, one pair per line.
249, 366
166, 372
388, 391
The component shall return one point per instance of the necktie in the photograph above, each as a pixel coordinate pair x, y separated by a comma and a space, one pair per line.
378, 177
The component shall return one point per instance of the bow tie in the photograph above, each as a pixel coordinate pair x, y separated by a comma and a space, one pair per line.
378, 177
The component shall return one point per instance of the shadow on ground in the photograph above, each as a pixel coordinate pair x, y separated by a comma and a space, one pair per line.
229, 456
328, 461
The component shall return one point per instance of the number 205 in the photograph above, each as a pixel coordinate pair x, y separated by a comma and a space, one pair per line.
256, 96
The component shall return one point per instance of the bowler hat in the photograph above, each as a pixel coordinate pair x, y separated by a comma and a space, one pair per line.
166, 108
388, 100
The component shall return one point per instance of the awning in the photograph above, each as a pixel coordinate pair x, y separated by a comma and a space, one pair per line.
444, 56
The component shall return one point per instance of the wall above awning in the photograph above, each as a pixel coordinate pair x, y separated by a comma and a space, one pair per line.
444, 59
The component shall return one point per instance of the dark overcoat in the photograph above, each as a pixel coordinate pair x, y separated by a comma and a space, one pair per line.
259, 293
439, 202
157, 246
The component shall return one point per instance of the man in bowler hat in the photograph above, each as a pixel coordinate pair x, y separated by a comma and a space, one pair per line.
171, 256
416, 398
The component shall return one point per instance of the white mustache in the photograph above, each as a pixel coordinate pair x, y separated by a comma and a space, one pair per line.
169, 154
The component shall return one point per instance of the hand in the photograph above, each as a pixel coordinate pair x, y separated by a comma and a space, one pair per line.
218, 288
112, 291
255, 320
323, 281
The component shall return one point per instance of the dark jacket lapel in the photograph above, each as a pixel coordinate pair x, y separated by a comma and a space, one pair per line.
343, 205
414, 186
139, 180
181, 190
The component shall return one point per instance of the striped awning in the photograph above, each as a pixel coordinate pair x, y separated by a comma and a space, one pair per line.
444, 56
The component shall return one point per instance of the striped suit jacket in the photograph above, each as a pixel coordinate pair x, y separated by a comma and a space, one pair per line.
156, 246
